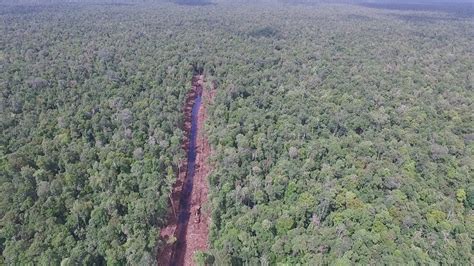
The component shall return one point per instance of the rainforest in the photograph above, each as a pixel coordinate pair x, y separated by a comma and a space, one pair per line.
267, 132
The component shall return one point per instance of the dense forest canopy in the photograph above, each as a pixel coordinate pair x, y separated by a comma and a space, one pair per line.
341, 133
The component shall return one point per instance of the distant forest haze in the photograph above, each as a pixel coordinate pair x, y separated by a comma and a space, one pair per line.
340, 133
246, 2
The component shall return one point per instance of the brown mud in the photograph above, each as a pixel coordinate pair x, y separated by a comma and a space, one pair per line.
188, 219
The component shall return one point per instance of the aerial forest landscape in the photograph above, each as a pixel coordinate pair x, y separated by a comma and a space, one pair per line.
220, 132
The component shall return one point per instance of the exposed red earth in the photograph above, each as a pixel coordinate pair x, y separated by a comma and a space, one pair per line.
188, 219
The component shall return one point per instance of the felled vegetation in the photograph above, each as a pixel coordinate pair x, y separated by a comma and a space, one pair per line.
345, 135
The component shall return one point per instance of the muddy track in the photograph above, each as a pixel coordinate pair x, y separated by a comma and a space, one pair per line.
188, 222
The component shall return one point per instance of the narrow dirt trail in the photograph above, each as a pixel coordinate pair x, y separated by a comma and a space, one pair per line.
188, 223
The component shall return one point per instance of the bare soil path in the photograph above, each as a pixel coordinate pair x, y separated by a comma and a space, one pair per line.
188, 223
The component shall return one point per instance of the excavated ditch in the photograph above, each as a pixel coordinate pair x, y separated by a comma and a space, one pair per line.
187, 229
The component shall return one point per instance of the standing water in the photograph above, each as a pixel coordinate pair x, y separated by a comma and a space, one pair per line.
185, 197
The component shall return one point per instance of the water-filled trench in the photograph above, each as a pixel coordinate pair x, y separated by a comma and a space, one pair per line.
186, 193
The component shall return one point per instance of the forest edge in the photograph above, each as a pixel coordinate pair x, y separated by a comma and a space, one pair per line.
178, 250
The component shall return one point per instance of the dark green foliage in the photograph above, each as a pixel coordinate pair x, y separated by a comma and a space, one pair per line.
90, 134
341, 134
264, 32
343, 140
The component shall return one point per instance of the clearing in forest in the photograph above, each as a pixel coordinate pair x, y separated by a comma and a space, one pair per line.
188, 224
